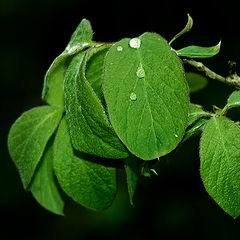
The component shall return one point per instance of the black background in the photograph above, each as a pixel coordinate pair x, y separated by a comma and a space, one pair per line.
173, 205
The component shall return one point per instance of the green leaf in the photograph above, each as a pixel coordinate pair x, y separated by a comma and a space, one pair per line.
234, 100
87, 120
91, 184
195, 112
194, 128
220, 163
44, 185
145, 170
199, 52
28, 137
94, 68
196, 82
132, 168
53, 83
146, 95
186, 29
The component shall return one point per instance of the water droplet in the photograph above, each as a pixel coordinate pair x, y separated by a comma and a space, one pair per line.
133, 96
135, 43
140, 72
119, 48
176, 135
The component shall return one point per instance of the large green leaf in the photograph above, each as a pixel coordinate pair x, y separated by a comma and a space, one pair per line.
146, 95
28, 137
234, 100
220, 163
44, 185
90, 184
87, 120
53, 83
199, 52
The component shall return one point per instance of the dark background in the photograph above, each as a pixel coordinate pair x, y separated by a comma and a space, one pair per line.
173, 205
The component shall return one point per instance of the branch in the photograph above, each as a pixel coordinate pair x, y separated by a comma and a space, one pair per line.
232, 79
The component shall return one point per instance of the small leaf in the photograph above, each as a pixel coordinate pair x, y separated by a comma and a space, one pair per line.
186, 29
94, 68
234, 100
145, 170
199, 52
196, 82
44, 185
53, 83
196, 112
90, 184
87, 120
194, 128
132, 168
146, 95
220, 163
28, 137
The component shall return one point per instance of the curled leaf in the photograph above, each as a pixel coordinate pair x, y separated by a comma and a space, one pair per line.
234, 100
199, 52
186, 29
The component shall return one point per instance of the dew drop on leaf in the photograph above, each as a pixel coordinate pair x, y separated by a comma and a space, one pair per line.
133, 96
176, 135
135, 43
119, 48
140, 72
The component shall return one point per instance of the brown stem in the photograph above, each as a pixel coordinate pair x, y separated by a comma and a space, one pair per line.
233, 79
